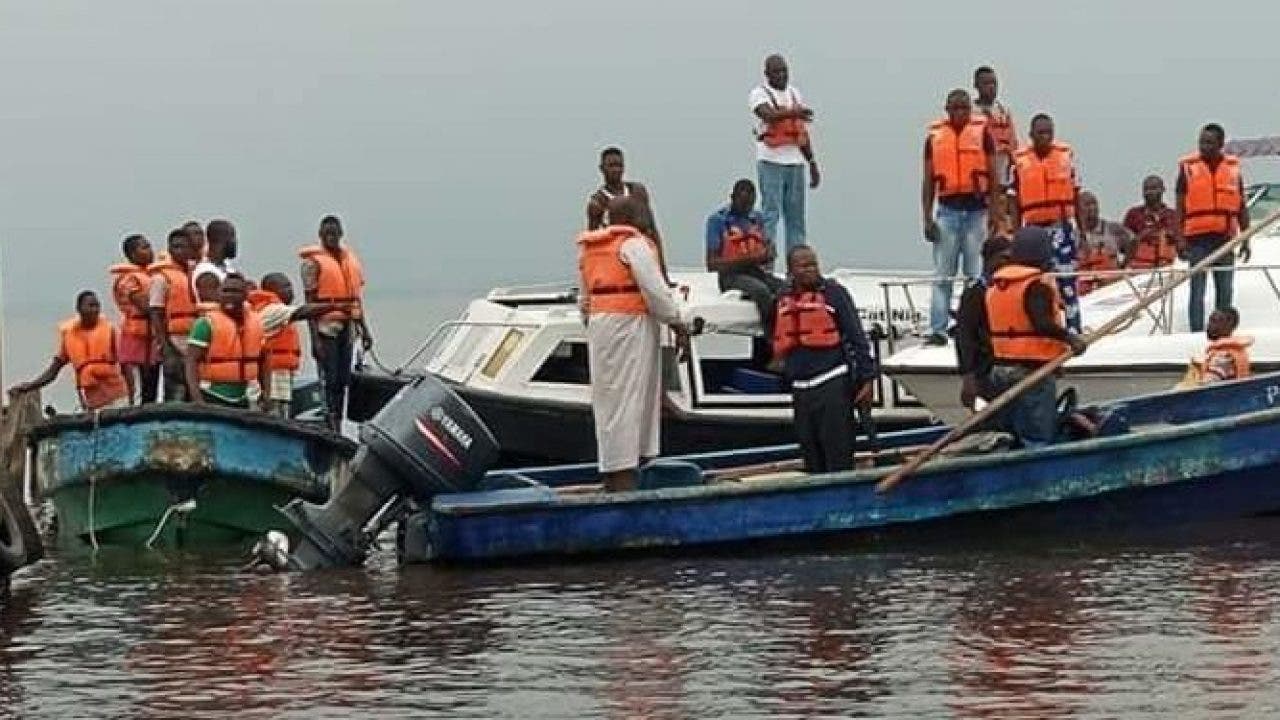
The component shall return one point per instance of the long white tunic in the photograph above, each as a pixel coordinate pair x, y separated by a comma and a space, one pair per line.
625, 359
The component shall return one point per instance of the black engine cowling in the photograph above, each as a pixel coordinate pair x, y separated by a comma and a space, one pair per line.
425, 441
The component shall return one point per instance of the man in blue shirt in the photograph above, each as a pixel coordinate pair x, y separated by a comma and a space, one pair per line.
826, 359
741, 252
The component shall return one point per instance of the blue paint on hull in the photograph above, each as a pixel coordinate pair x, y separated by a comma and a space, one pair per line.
1188, 469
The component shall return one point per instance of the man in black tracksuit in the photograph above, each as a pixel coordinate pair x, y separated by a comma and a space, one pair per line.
826, 359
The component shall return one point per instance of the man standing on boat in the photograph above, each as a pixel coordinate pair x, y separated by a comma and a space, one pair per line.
1211, 211
173, 311
130, 287
1153, 225
625, 302
1047, 186
332, 274
740, 251
960, 173
1102, 243
783, 149
226, 361
87, 343
826, 359
1026, 325
998, 119
214, 267
612, 169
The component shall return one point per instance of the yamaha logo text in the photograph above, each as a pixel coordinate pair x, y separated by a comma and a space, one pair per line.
451, 426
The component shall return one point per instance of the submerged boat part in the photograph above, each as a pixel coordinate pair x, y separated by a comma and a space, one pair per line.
424, 442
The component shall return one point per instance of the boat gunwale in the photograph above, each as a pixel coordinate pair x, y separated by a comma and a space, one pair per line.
165, 412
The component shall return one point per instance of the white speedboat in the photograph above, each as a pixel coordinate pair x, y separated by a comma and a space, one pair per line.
1149, 355
519, 358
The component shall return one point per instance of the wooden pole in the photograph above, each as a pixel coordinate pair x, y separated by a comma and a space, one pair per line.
1052, 366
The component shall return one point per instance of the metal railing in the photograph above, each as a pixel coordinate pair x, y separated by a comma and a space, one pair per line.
1161, 314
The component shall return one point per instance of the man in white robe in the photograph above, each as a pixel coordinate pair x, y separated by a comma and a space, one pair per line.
625, 358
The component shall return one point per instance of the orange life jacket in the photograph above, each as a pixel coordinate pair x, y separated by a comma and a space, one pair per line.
1095, 257
1000, 125
804, 319
1212, 200
1012, 335
284, 349
234, 348
1153, 246
92, 354
129, 280
340, 281
1234, 349
606, 281
180, 309
791, 131
960, 165
737, 244
1046, 186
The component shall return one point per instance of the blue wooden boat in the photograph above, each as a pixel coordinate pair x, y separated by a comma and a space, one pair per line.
180, 474
1167, 458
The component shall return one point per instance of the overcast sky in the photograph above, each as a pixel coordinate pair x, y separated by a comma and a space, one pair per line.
458, 140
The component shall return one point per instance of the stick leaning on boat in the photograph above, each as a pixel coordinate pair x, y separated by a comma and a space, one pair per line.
998, 403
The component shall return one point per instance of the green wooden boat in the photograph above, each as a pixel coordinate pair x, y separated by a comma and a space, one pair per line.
180, 475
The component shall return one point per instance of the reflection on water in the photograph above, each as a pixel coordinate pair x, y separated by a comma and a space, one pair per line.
930, 630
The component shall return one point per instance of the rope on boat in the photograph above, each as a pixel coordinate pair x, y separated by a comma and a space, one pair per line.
93, 478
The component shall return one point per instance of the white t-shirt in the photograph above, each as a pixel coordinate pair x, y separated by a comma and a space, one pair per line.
206, 266
761, 95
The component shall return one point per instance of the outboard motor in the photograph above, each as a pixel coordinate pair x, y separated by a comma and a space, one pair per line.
425, 441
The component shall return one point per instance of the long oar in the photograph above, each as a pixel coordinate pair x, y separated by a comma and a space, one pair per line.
1045, 370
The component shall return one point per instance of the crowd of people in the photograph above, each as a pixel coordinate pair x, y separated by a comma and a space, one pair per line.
194, 328
1011, 215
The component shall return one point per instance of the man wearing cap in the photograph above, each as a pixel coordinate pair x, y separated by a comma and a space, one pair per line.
1026, 323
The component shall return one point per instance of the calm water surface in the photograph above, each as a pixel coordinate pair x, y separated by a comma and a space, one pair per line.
1182, 626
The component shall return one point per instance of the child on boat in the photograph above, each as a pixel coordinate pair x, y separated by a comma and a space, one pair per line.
1227, 356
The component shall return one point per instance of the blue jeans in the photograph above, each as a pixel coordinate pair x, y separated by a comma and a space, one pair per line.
782, 196
1223, 282
960, 232
1033, 416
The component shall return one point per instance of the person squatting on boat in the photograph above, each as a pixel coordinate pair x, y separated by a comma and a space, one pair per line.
332, 274
130, 289
625, 301
226, 362
273, 301
960, 172
741, 252
174, 311
1212, 210
826, 359
1046, 184
88, 343
783, 148
1026, 328
1227, 356
612, 170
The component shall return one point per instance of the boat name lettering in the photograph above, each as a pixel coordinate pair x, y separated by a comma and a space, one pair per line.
1273, 392
451, 426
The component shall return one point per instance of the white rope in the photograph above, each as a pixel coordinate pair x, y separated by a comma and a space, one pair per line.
93, 480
